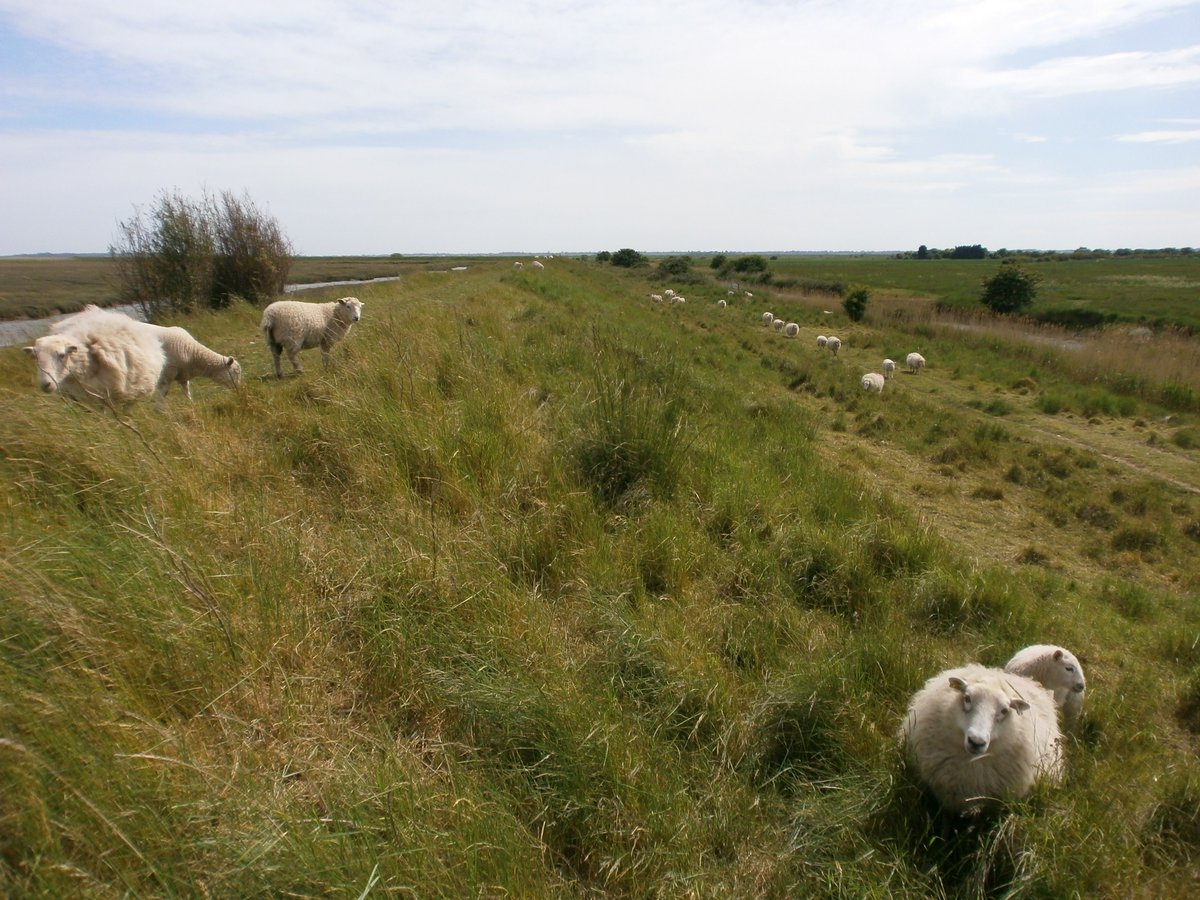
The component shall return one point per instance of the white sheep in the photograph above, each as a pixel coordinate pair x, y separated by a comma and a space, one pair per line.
1058, 671
822, 340
873, 381
778, 324
749, 295
915, 362
767, 319
978, 735
98, 358
791, 329
294, 325
834, 344
537, 264
656, 298
518, 265
889, 368
721, 304
668, 293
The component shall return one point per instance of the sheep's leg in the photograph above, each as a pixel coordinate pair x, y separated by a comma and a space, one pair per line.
187, 387
276, 354
294, 359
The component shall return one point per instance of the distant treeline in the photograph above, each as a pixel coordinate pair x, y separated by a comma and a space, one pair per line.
977, 251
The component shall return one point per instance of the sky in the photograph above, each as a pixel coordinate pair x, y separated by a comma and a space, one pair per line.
559, 126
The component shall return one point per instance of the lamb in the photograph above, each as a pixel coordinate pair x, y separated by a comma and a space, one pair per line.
778, 324
915, 362
1058, 671
791, 329
979, 735
834, 344
294, 325
889, 368
822, 340
873, 381
98, 358
767, 319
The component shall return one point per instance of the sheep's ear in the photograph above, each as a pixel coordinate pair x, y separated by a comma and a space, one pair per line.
1058, 654
958, 684
70, 348
32, 351
229, 361
1018, 704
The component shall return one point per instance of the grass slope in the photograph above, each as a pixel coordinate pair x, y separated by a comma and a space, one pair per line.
544, 590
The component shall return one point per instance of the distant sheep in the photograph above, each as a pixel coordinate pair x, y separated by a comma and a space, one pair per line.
833, 344
915, 362
791, 329
537, 264
721, 304
873, 381
889, 368
656, 298
778, 324
98, 358
669, 293
822, 340
294, 325
767, 319
978, 735
1058, 671
518, 265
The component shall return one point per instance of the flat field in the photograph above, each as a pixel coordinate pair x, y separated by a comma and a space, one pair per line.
544, 589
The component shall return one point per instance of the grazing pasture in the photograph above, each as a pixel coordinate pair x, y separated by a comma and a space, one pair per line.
546, 589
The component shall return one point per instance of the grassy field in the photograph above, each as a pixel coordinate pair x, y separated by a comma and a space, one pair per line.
546, 590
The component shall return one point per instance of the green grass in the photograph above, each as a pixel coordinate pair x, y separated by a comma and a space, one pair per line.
544, 590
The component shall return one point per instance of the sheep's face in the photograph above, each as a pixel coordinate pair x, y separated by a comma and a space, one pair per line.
54, 355
1068, 672
349, 309
231, 374
984, 714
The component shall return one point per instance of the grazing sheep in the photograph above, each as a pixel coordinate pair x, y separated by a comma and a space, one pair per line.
657, 298
748, 294
979, 735
889, 368
669, 292
518, 265
873, 381
729, 293
778, 324
98, 358
537, 264
187, 358
1058, 671
767, 319
721, 304
791, 329
834, 344
294, 325
822, 340
915, 362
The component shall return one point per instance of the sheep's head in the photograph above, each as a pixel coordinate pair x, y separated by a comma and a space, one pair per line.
985, 713
1068, 672
349, 309
55, 355
230, 374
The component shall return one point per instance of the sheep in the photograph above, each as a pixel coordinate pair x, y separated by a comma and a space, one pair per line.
294, 325
978, 735
915, 362
791, 329
656, 298
873, 381
1058, 671
518, 265
721, 304
668, 293
537, 264
778, 324
834, 344
98, 358
822, 340
749, 295
889, 368
767, 319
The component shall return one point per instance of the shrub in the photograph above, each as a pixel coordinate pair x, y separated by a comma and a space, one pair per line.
855, 304
628, 258
604, 256
750, 264
718, 261
1010, 290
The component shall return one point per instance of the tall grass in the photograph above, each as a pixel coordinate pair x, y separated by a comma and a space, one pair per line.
543, 590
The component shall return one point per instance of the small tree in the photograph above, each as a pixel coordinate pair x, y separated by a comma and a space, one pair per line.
628, 258
1010, 290
604, 256
252, 254
675, 267
718, 261
855, 304
752, 263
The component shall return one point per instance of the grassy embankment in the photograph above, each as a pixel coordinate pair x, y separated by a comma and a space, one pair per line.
545, 590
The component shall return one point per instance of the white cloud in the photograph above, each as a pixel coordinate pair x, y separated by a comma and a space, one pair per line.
1161, 137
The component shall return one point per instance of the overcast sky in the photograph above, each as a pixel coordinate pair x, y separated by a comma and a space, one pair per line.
575, 125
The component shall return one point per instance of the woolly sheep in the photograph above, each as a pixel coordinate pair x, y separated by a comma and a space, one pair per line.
1058, 671
915, 362
98, 358
669, 292
294, 325
977, 735
657, 298
721, 304
889, 368
873, 381
822, 340
768, 318
537, 264
778, 324
834, 344
791, 329
518, 265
